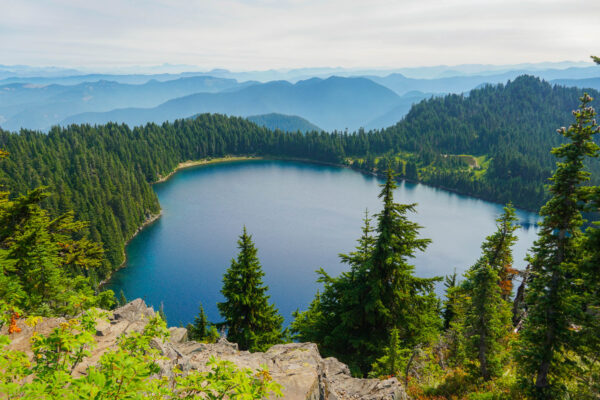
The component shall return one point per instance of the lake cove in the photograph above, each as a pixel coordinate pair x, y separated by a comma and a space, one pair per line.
301, 216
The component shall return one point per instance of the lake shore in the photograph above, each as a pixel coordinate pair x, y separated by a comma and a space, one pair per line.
219, 160
154, 217
148, 221
206, 161
303, 214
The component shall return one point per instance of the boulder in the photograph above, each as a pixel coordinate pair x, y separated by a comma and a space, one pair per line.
298, 367
178, 335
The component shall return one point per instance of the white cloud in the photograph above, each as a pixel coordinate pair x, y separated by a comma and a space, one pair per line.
261, 34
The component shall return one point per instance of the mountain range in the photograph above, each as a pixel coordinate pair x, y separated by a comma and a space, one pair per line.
372, 100
334, 103
37, 106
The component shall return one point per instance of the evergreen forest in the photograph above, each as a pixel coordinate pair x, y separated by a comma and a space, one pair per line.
494, 143
499, 333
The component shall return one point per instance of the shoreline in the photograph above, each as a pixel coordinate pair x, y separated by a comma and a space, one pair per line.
154, 217
381, 174
148, 221
207, 161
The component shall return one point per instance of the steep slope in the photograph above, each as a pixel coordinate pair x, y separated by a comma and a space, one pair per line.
397, 113
332, 104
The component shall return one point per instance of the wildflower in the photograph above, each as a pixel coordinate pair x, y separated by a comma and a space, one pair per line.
13, 328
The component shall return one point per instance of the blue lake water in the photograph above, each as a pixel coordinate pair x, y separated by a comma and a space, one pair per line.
300, 216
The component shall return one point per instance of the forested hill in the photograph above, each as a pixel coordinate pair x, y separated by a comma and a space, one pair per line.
287, 123
509, 129
104, 172
493, 143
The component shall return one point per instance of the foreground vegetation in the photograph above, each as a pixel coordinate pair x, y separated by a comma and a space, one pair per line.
44, 272
131, 371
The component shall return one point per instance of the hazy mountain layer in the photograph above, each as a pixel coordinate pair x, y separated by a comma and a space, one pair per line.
332, 104
36, 106
287, 123
459, 84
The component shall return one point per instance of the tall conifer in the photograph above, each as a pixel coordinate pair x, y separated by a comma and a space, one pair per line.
353, 319
487, 320
486, 290
251, 321
398, 299
554, 296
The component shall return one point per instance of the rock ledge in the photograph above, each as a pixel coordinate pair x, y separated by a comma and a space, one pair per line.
298, 367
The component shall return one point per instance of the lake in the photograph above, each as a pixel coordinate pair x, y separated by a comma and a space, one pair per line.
301, 216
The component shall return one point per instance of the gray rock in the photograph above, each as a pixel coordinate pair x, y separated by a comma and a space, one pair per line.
178, 335
298, 367
134, 311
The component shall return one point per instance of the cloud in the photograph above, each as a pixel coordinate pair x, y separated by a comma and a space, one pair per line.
262, 34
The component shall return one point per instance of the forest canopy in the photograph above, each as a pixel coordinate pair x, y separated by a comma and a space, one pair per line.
494, 143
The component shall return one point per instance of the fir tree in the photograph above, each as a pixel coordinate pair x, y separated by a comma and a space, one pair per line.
392, 360
554, 295
486, 289
353, 318
450, 303
396, 298
487, 320
589, 351
122, 299
42, 260
498, 250
251, 321
202, 330
336, 318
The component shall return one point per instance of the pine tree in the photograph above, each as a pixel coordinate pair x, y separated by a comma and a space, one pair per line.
498, 250
398, 299
451, 298
353, 318
487, 320
554, 295
251, 321
202, 330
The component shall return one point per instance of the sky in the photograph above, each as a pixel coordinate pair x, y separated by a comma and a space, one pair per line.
278, 34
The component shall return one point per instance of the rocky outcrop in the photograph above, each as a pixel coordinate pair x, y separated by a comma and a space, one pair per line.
298, 367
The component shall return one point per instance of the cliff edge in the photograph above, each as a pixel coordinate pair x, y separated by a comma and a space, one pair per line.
298, 367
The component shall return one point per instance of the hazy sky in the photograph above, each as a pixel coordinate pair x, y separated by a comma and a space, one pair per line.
263, 34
